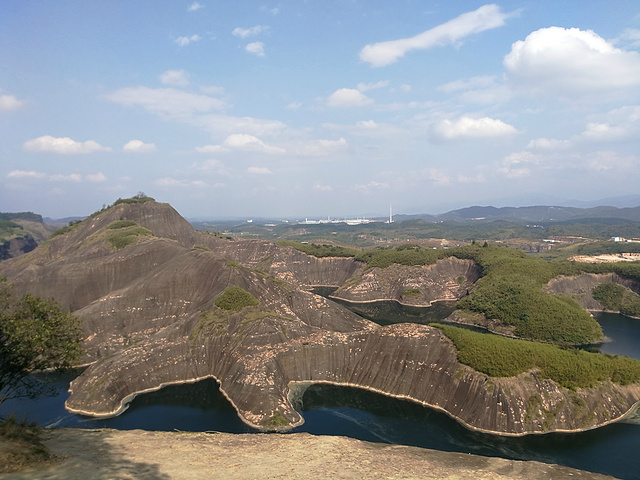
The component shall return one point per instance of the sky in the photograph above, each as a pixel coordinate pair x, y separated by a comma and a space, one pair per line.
317, 108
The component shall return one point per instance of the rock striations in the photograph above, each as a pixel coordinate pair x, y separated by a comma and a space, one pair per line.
148, 305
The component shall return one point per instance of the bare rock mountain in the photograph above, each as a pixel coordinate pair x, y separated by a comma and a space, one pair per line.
148, 287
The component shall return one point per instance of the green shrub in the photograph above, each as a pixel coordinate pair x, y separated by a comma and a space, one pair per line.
121, 224
123, 238
499, 356
235, 299
317, 250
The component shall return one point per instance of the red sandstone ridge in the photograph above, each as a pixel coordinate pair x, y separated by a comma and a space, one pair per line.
149, 315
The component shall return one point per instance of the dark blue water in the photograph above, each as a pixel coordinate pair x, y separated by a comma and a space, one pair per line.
331, 410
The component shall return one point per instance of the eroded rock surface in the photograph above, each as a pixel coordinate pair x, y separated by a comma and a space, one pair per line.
150, 319
581, 286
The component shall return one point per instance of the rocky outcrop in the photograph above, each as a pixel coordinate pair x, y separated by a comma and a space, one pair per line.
448, 279
150, 320
581, 286
15, 247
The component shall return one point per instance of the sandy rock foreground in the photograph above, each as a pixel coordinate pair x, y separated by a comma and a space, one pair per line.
112, 454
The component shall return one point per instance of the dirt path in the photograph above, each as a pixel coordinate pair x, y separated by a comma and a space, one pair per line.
141, 455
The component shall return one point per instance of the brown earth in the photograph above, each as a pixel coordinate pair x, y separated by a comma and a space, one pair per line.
136, 454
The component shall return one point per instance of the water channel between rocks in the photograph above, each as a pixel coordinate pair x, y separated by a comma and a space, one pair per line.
333, 410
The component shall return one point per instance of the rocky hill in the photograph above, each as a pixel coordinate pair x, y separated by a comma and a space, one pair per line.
150, 289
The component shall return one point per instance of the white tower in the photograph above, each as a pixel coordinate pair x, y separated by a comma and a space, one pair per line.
390, 214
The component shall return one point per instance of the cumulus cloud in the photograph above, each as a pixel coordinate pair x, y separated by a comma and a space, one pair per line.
243, 141
257, 48
195, 6
322, 147
548, 144
184, 41
249, 32
467, 127
63, 146
25, 174
517, 165
568, 61
138, 146
166, 101
348, 97
176, 78
452, 32
9, 103
259, 171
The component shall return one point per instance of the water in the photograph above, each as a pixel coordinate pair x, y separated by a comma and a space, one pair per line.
332, 410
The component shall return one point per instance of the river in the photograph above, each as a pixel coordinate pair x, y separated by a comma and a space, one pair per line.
331, 410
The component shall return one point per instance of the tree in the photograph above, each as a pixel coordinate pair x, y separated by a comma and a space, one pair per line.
35, 335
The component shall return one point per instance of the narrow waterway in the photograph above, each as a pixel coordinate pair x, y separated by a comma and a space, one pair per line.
332, 410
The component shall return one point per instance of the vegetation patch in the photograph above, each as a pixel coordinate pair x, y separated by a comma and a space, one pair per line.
126, 237
202, 247
319, 250
277, 420
121, 224
20, 445
616, 297
499, 356
214, 322
411, 292
61, 231
235, 299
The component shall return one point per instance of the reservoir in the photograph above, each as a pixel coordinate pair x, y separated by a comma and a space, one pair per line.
332, 410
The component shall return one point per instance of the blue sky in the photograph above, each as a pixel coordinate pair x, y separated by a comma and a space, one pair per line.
317, 108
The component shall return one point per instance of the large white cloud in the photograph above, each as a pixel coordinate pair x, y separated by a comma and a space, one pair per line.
467, 127
166, 101
348, 97
453, 31
567, 62
63, 146
138, 146
9, 103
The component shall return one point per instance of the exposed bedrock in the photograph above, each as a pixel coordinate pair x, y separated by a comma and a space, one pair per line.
447, 279
259, 363
150, 319
581, 286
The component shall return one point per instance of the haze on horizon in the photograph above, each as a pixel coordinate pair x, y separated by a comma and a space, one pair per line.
317, 108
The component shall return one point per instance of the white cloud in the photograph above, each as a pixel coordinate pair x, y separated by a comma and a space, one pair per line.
567, 62
184, 41
294, 106
176, 78
451, 32
174, 182
96, 177
257, 48
63, 146
405, 87
243, 141
138, 146
212, 90
211, 149
210, 167
248, 32
482, 81
548, 144
322, 147
259, 171
57, 177
195, 6
516, 165
363, 87
322, 188
9, 103
438, 176
348, 97
166, 101
630, 36
25, 174
467, 127
371, 186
